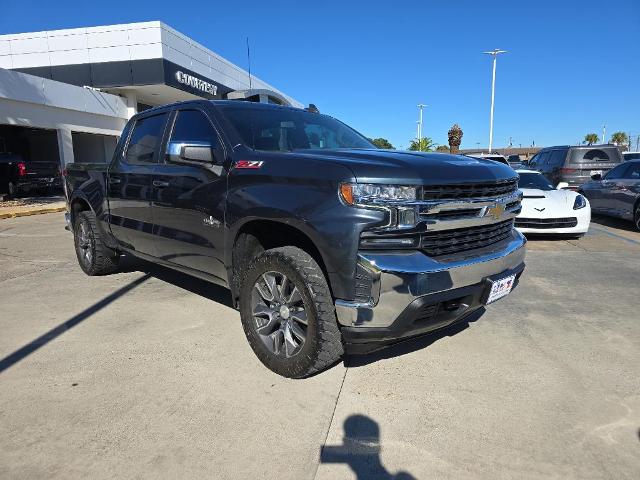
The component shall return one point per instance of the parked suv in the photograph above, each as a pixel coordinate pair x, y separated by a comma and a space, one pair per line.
575, 165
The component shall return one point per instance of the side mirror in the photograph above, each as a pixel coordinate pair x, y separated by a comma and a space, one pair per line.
596, 176
190, 153
562, 185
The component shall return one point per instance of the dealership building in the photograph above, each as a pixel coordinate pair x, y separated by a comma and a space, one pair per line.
65, 95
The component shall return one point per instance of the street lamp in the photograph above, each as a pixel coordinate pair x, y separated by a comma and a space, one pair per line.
494, 54
420, 106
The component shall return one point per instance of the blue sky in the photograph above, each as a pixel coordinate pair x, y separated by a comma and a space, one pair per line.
571, 66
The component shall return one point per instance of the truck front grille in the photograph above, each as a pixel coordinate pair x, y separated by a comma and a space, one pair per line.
542, 223
471, 190
444, 242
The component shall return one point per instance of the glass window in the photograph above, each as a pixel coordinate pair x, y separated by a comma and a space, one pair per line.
194, 126
632, 156
557, 157
287, 129
543, 158
633, 172
534, 180
616, 172
145, 139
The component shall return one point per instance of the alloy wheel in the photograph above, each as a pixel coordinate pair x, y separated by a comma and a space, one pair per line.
279, 313
85, 243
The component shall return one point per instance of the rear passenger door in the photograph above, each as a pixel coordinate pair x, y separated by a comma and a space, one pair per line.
129, 184
554, 165
189, 198
607, 201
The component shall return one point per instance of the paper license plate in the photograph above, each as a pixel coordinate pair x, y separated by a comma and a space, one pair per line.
500, 288
596, 172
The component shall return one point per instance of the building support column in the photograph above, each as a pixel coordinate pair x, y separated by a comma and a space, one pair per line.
65, 146
132, 103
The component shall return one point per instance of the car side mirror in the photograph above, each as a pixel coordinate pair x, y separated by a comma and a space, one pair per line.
596, 176
562, 185
190, 153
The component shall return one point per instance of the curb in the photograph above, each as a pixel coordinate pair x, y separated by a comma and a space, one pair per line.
27, 213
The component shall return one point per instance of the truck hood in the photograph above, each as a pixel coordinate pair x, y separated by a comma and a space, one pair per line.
412, 168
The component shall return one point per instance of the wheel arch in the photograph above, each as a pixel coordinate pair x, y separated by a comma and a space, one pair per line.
271, 234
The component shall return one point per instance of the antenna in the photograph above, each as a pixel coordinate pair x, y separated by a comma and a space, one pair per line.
249, 62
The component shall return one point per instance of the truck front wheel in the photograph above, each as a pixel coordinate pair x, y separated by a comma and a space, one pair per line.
288, 314
93, 256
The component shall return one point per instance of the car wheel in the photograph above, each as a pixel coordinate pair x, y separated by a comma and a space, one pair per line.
636, 217
93, 256
288, 314
12, 190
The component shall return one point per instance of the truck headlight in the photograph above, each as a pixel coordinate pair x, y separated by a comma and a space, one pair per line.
372, 194
580, 202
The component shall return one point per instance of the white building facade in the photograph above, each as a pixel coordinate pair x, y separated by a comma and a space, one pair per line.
73, 90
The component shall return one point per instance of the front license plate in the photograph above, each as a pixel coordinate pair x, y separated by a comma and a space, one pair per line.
596, 172
500, 288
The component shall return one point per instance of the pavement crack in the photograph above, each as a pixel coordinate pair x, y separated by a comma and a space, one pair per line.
333, 413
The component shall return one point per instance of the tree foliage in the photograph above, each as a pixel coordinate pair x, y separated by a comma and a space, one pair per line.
382, 143
591, 138
455, 134
619, 138
425, 144
442, 148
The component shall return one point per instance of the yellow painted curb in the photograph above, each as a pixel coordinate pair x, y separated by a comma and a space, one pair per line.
26, 213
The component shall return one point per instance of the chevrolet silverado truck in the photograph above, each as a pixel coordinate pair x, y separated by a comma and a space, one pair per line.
326, 243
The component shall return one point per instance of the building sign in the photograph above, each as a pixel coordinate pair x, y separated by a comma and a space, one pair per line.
196, 83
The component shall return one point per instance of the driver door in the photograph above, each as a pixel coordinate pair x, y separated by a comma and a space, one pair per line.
189, 196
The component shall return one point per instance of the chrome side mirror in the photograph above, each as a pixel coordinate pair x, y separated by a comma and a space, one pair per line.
190, 152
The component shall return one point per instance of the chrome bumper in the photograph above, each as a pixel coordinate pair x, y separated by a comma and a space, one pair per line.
399, 278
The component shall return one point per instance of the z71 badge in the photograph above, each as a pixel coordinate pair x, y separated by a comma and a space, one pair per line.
249, 164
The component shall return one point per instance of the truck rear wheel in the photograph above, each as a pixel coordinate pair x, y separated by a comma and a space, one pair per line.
288, 314
93, 256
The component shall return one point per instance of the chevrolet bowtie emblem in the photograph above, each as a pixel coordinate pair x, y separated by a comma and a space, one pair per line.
495, 211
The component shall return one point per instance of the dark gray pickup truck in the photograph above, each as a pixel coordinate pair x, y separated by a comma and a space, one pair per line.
326, 243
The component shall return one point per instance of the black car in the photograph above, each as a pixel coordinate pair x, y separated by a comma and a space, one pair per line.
617, 193
20, 175
575, 165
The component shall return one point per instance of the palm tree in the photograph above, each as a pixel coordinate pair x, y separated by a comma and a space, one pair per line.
619, 138
442, 148
591, 138
425, 144
455, 138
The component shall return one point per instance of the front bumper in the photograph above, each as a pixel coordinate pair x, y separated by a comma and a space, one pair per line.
412, 294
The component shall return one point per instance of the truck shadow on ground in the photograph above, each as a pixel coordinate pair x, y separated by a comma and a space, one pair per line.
128, 264
360, 450
411, 345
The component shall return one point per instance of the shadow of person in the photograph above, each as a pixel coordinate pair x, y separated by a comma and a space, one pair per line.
360, 450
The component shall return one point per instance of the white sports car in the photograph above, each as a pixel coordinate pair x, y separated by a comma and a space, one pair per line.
549, 210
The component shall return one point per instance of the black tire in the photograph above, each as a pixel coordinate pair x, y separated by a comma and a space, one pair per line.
93, 256
322, 345
636, 217
12, 190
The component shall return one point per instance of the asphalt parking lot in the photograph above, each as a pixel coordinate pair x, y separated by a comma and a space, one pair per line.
147, 374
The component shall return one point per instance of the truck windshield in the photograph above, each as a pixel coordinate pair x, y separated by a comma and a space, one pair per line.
534, 181
285, 129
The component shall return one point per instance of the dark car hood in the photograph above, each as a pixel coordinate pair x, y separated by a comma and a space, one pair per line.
413, 168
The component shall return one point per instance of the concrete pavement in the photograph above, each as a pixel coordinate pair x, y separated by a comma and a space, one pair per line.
147, 374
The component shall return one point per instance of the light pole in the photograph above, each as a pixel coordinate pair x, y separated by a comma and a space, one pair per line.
604, 134
494, 54
420, 106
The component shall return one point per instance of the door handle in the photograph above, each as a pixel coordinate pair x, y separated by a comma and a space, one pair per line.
160, 184
115, 180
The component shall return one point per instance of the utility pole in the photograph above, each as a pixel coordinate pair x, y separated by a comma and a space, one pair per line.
494, 54
604, 133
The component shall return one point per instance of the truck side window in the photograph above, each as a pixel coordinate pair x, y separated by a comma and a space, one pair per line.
145, 140
194, 126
